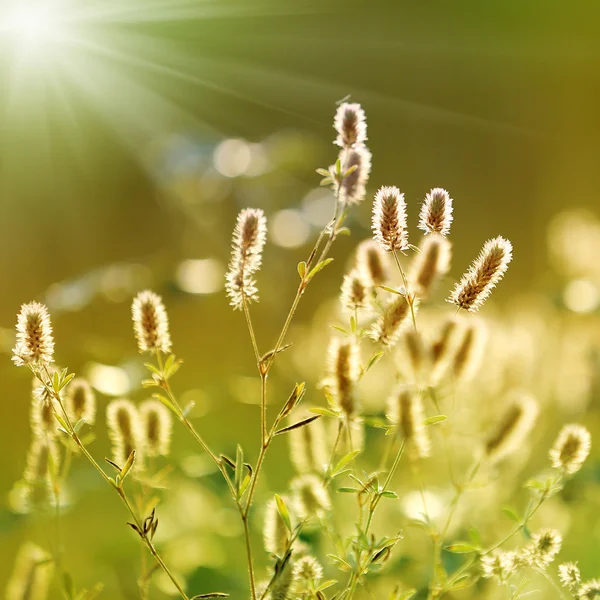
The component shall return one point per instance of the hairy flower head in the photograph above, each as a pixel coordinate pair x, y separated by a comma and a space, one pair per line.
308, 448
389, 219
394, 318
308, 569
351, 124
150, 323
124, 429
436, 212
355, 292
542, 549
80, 401
432, 262
571, 448
275, 533
156, 426
373, 262
499, 565
310, 496
482, 276
569, 575
35, 344
405, 411
590, 590
343, 373
32, 574
352, 189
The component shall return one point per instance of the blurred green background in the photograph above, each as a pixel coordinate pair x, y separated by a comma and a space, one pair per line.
118, 172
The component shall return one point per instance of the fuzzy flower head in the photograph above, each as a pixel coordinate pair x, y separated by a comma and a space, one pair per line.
308, 569
310, 496
394, 318
150, 323
124, 429
35, 344
352, 189
569, 575
543, 548
80, 401
308, 447
436, 212
351, 124
373, 262
32, 575
432, 262
590, 590
405, 411
355, 292
276, 535
470, 351
571, 448
343, 373
43, 404
156, 425
499, 565
389, 219
482, 276
249, 237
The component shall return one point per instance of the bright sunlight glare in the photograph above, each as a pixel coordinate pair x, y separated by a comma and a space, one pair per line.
31, 25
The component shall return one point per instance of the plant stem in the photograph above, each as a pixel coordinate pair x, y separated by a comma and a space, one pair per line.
409, 299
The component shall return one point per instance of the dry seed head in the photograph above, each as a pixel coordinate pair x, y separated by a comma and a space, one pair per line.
80, 401
344, 372
569, 575
469, 352
499, 565
432, 262
542, 549
42, 453
355, 292
482, 276
395, 317
125, 433
308, 569
389, 219
308, 448
275, 533
156, 427
405, 410
373, 262
310, 496
436, 212
31, 575
571, 448
249, 237
35, 344
440, 353
351, 124
352, 189
150, 323
516, 425
590, 590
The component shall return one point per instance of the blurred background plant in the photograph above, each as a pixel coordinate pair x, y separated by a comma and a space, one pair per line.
133, 134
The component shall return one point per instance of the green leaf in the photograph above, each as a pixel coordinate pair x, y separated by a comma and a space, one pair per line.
340, 329
511, 514
318, 268
345, 460
211, 595
326, 412
391, 290
302, 269
434, 420
167, 403
389, 494
461, 548
373, 360
239, 467
347, 490
283, 512
297, 425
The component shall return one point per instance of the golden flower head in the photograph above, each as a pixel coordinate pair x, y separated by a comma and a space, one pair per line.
469, 353
482, 276
275, 533
373, 262
43, 454
405, 411
542, 549
351, 124
440, 352
35, 344
389, 219
590, 590
310, 496
151, 323
80, 401
499, 565
571, 448
436, 212
394, 318
32, 574
43, 421
308, 448
343, 373
352, 189
156, 425
249, 237
569, 575
514, 427
124, 429
432, 262
308, 569
355, 292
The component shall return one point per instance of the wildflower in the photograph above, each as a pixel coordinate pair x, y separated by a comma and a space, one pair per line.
249, 238
310, 496
276, 535
513, 429
436, 212
124, 430
35, 344
389, 219
308, 569
405, 410
43, 422
440, 352
498, 564
156, 425
32, 574
543, 548
430, 264
396, 315
569, 575
372, 262
150, 323
469, 352
482, 276
351, 125
308, 448
344, 371
80, 401
354, 294
415, 353
43, 455
282, 587
352, 189
590, 590
571, 448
